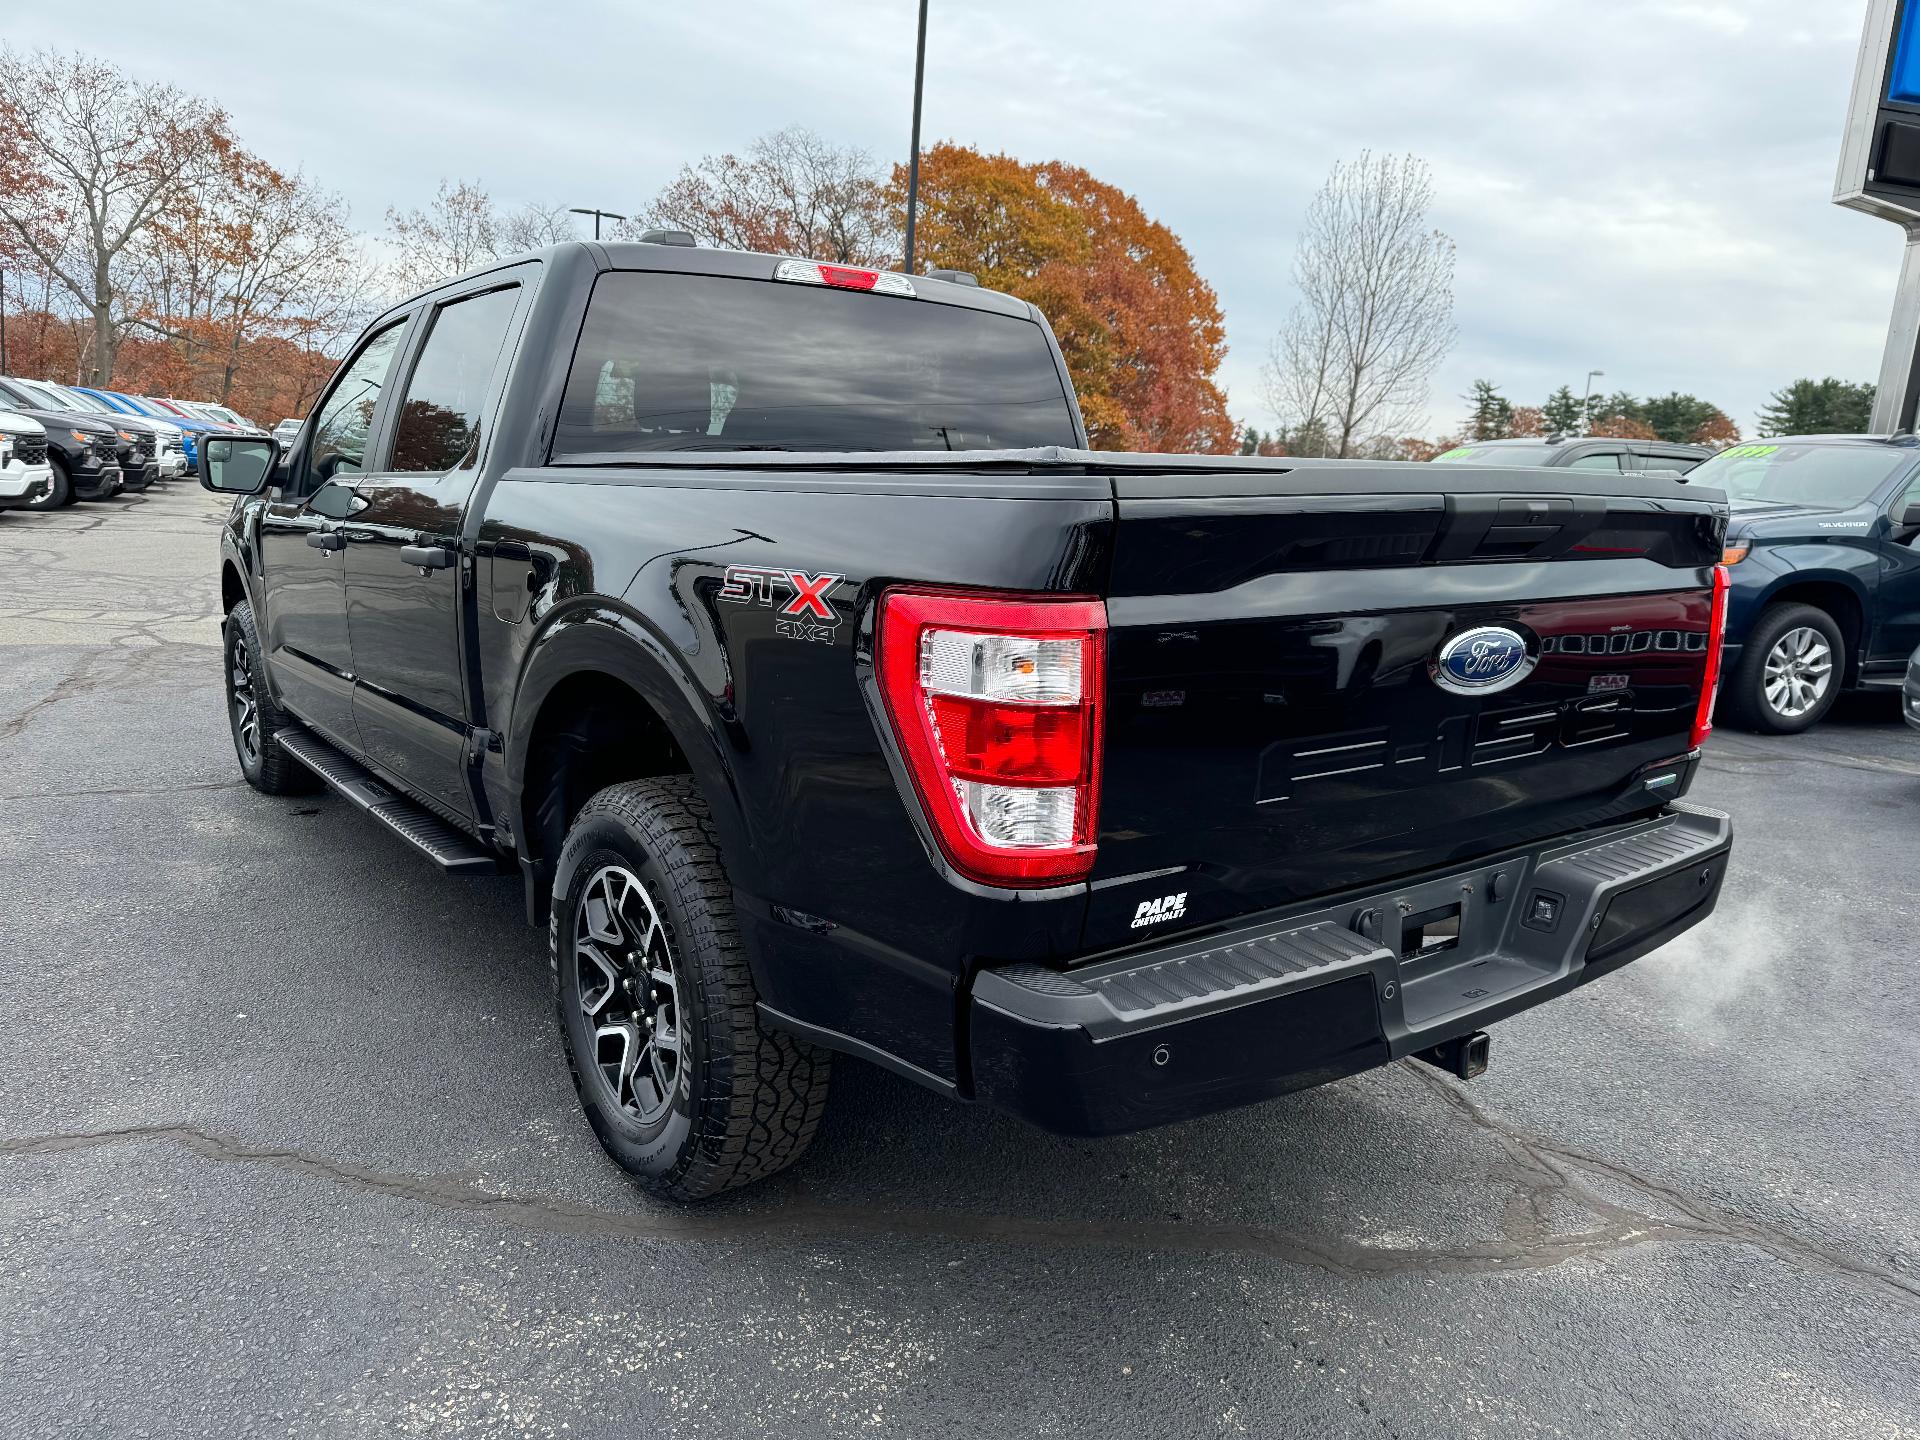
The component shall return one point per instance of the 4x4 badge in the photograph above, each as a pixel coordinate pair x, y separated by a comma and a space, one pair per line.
805, 613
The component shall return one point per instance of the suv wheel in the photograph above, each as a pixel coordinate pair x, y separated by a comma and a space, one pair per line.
62, 491
251, 714
683, 1086
1790, 670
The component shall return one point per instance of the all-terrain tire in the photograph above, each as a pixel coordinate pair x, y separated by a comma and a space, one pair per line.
268, 768
1745, 693
745, 1101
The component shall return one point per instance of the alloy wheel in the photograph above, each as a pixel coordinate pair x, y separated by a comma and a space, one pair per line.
241, 699
629, 993
1799, 669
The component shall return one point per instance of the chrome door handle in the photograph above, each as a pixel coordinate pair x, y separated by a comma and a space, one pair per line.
427, 557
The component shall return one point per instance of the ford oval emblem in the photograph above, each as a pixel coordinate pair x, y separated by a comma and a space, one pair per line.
1483, 661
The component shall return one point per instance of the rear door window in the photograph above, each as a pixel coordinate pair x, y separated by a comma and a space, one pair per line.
696, 362
1609, 461
439, 422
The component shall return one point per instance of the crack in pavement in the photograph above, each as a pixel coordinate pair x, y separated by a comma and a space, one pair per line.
1554, 1168
101, 668
1541, 1169
124, 792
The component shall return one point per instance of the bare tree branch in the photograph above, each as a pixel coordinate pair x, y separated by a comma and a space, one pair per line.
90, 156
1375, 316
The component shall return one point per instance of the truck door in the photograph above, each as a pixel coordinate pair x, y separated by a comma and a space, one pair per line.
406, 575
303, 593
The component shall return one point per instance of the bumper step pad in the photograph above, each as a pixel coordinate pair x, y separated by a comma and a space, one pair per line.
1199, 1025
450, 848
1499, 952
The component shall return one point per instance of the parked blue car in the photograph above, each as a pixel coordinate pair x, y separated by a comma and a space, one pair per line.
190, 428
1825, 576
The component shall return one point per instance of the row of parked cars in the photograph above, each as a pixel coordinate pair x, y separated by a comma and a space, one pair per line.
1822, 559
62, 443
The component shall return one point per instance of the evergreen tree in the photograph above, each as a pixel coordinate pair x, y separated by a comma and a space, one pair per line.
1489, 413
1819, 407
1681, 418
1621, 405
1561, 414
1250, 441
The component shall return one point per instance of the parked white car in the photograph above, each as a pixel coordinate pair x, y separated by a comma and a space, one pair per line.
25, 475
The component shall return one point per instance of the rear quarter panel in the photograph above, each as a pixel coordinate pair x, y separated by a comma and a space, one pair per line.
852, 925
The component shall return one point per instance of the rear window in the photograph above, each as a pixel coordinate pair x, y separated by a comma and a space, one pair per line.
1835, 477
1496, 455
695, 362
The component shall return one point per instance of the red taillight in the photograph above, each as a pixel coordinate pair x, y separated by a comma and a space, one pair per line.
997, 702
1710, 681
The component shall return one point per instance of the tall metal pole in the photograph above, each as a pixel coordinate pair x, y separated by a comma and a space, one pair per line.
1586, 415
913, 162
1898, 395
3, 323
598, 216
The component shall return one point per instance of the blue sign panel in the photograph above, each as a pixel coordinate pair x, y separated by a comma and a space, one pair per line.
1903, 75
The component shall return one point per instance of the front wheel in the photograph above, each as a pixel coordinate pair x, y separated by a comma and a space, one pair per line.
252, 715
681, 1083
62, 491
1790, 671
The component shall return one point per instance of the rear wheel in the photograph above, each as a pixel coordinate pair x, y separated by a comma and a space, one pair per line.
62, 491
1790, 670
682, 1084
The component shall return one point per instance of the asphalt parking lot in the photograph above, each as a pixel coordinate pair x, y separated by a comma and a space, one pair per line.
288, 1145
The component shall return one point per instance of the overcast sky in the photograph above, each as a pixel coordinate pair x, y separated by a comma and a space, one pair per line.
1637, 186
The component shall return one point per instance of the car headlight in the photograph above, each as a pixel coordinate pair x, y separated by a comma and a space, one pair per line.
1735, 552
81, 437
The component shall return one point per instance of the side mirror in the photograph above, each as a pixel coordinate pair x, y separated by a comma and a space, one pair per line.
1910, 517
237, 464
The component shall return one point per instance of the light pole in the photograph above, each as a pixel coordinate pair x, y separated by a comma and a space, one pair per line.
1586, 418
913, 161
598, 216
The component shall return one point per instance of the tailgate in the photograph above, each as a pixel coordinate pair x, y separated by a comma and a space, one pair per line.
1281, 724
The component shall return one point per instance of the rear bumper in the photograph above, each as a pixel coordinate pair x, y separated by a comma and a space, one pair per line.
1295, 1001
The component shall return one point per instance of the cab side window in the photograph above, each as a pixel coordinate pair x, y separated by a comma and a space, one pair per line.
340, 426
439, 424
1595, 462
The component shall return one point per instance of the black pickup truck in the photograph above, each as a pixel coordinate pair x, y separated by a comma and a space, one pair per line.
773, 621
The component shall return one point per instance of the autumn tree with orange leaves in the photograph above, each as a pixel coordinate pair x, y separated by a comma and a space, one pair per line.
1142, 333
89, 157
792, 193
258, 255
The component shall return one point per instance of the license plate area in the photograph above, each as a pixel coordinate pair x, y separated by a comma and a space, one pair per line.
1430, 932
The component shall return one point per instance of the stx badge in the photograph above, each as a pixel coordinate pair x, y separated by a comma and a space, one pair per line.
805, 613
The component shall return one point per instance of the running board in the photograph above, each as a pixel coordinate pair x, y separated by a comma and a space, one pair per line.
451, 849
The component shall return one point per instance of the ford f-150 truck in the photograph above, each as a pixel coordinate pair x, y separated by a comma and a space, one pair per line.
772, 619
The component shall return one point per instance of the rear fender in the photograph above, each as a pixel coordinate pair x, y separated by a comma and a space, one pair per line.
601, 637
